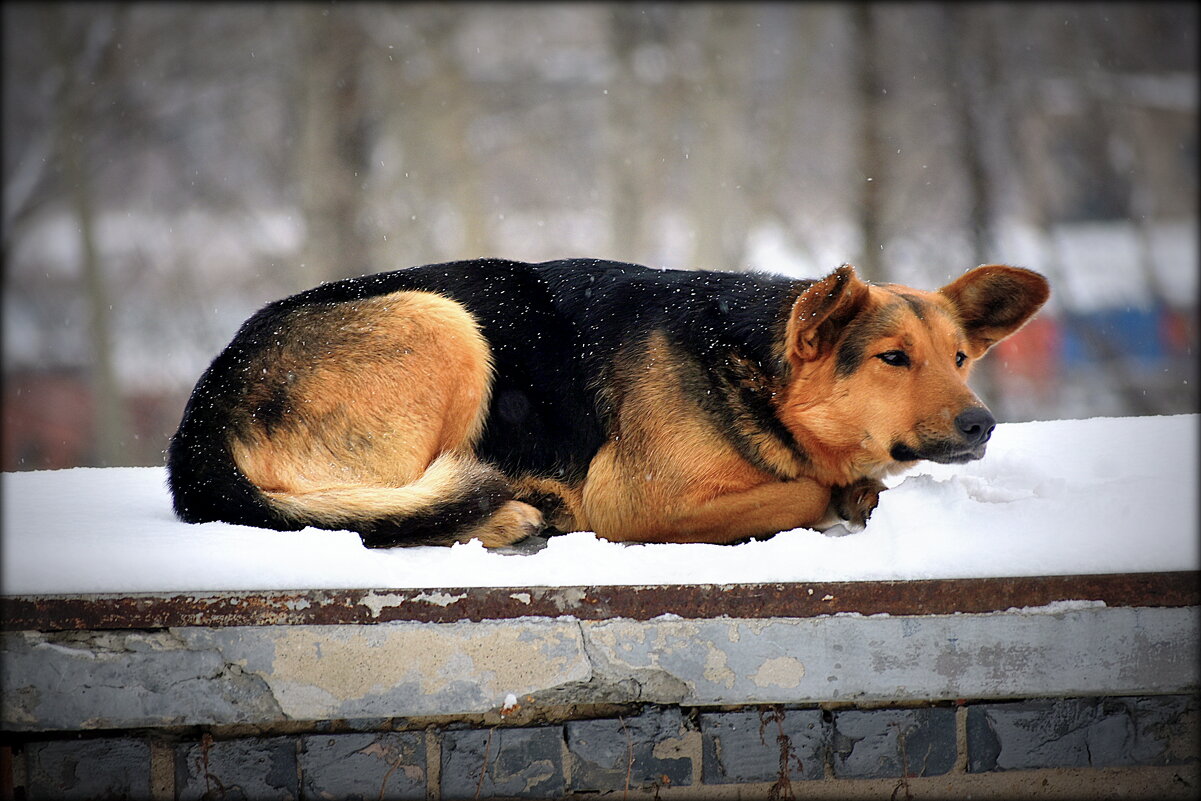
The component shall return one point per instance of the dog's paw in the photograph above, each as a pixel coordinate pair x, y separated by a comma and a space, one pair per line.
512, 522
837, 530
854, 503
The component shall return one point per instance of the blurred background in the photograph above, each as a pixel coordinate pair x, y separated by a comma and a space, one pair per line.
170, 168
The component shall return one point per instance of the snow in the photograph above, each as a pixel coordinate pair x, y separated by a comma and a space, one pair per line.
1104, 495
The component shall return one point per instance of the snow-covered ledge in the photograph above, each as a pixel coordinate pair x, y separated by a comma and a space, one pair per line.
1064, 564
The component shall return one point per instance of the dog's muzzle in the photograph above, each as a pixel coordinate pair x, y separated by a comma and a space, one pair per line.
974, 426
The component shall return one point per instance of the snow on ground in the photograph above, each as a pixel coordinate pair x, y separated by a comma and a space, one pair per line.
1105, 495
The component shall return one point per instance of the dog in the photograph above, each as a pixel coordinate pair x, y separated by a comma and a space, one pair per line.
493, 399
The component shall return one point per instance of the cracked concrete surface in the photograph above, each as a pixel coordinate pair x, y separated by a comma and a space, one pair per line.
266, 674
125, 679
346, 671
851, 657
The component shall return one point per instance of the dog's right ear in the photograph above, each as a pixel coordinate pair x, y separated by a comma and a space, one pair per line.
994, 301
820, 312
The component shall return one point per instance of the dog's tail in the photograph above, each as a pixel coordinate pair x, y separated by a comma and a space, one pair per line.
456, 498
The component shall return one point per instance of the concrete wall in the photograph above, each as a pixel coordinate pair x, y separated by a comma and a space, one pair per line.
1062, 699
274, 674
1143, 746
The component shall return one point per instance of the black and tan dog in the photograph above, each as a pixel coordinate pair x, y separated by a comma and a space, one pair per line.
490, 398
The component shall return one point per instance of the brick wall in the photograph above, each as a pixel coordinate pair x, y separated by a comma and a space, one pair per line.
663, 751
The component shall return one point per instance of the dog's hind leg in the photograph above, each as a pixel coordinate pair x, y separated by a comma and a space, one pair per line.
365, 417
512, 522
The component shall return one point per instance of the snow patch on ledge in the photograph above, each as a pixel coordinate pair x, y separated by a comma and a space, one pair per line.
1056, 608
1069, 497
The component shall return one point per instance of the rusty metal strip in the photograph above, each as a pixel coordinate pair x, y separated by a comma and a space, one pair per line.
322, 607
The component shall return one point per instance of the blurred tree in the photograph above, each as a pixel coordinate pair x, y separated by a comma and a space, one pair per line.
970, 72
332, 146
453, 108
717, 209
971, 77
869, 173
83, 50
167, 168
632, 136
1039, 145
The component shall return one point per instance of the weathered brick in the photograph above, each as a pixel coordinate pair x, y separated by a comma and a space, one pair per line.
1166, 730
511, 763
1082, 732
104, 768
642, 751
357, 767
886, 743
751, 746
238, 770
1027, 734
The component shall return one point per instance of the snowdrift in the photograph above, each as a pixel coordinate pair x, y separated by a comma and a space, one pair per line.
1104, 495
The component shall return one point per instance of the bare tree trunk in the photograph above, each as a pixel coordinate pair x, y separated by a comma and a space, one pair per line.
80, 62
778, 136
332, 147
442, 171
623, 152
870, 172
971, 80
410, 237
458, 165
718, 214
108, 402
970, 74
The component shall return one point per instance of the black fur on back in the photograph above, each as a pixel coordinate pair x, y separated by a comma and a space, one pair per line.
555, 328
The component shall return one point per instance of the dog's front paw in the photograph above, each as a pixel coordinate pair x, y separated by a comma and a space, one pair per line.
854, 503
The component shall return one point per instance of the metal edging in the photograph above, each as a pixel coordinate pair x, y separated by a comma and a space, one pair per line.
693, 601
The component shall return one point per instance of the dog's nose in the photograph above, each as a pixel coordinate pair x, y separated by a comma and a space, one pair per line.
976, 425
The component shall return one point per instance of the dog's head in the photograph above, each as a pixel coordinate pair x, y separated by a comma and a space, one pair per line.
878, 374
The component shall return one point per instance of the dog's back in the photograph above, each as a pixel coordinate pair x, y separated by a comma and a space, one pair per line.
287, 382
478, 399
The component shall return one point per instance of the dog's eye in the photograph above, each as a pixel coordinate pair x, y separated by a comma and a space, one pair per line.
894, 358
960, 358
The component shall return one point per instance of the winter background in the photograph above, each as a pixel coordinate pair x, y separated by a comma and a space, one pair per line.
169, 168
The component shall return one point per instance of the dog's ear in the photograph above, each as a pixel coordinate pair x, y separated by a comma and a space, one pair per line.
993, 301
820, 312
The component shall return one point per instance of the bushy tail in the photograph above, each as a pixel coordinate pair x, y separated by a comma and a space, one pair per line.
452, 497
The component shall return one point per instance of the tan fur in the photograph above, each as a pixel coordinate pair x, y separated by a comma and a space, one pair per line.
513, 522
848, 426
341, 504
668, 476
569, 515
405, 377
386, 421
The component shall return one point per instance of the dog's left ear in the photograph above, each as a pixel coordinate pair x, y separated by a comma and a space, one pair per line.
994, 300
819, 314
